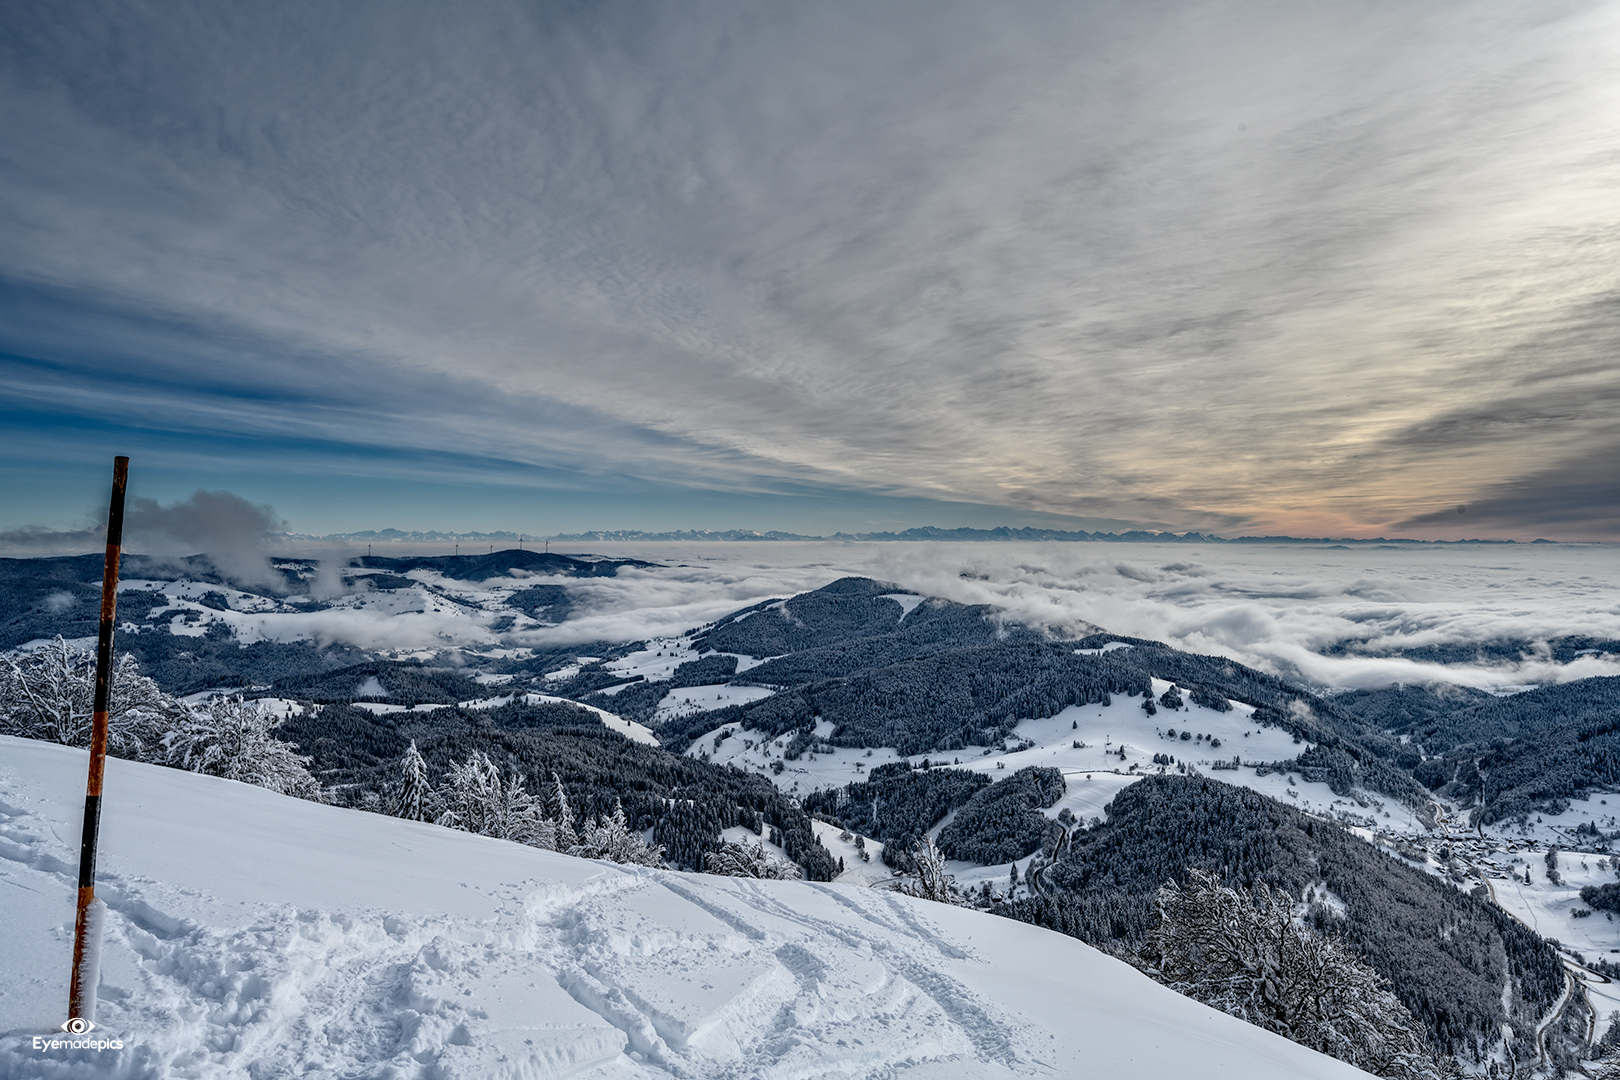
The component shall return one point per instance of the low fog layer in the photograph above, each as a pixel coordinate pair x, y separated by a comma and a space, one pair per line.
1275, 608
1329, 617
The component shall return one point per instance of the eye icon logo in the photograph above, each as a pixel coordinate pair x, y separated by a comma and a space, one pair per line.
78, 1026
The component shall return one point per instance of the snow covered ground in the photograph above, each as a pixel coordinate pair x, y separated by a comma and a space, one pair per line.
254, 935
684, 701
657, 661
1093, 769
857, 871
1549, 909
1084, 743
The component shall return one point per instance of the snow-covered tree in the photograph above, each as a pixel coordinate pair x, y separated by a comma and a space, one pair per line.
931, 882
233, 738
411, 795
48, 693
743, 860
525, 818
1609, 1045
611, 838
477, 800
561, 815
1243, 953
471, 793
1606, 1052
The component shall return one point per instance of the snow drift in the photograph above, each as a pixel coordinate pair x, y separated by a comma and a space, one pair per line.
251, 934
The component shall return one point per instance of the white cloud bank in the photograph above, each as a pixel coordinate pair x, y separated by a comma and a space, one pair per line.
1276, 608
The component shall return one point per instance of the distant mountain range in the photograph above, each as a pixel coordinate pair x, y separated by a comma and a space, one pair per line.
924, 532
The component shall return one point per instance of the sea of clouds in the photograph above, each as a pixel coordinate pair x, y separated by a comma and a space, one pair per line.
1277, 608
1332, 617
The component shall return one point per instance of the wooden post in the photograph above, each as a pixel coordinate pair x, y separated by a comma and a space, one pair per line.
86, 927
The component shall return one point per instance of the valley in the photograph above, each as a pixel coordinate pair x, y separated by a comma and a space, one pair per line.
789, 713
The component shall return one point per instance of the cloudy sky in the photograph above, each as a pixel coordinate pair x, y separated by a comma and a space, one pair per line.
1349, 268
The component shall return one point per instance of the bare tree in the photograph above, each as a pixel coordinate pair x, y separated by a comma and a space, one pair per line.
235, 739
48, 693
477, 799
741, 860
611, 838
931, 882
1243, 953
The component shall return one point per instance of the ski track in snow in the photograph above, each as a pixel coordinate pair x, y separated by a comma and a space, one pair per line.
251, 935
409, 993
721, 999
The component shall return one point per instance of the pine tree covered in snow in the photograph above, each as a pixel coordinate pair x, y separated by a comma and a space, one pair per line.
411, 796
1243, 953
233, 738
477, 799
611, 838
49, 694
558, 810
743, 860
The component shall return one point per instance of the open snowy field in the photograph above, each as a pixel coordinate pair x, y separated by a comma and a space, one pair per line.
1084, 742
251, 934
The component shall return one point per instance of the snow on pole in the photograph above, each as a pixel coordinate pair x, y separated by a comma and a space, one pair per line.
87, 959
87, 925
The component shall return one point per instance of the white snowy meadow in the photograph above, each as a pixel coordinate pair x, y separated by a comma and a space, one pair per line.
251, 934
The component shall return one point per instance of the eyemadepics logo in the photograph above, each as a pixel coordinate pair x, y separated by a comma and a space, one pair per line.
77, 1026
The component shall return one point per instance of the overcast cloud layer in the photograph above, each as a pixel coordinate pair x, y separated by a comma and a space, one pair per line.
1340, 268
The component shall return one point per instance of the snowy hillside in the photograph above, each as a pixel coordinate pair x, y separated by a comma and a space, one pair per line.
252, 934
1098, 748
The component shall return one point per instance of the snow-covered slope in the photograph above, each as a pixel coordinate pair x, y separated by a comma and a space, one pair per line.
1085, 742
255, 935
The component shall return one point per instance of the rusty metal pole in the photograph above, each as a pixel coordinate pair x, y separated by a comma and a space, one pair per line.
86, 928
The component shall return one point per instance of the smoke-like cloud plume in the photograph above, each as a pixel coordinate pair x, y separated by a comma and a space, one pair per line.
232, 532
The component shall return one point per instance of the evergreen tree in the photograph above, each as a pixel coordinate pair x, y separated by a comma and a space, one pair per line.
412, 797
562, 817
